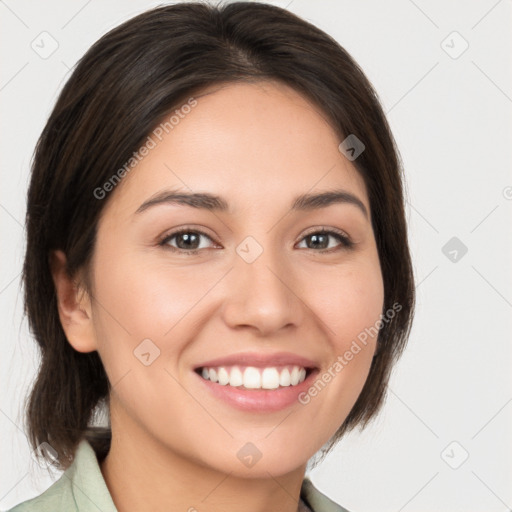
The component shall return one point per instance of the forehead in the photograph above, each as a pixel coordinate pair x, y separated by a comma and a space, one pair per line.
256, 144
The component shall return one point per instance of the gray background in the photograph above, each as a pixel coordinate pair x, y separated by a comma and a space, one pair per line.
443, 440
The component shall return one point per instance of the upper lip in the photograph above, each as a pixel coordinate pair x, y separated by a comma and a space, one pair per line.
258, 359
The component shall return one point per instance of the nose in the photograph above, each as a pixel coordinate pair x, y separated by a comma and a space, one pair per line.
263, 294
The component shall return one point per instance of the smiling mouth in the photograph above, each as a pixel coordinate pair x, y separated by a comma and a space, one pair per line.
254, 378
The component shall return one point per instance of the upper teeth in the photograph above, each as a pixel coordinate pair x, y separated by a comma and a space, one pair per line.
255, 378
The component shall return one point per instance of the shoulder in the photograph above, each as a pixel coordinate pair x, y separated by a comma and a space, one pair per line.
317, 501
80, 487
58, 496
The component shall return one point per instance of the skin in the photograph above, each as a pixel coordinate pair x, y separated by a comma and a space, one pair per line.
174, 446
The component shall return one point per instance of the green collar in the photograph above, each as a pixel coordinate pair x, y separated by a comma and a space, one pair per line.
82, 488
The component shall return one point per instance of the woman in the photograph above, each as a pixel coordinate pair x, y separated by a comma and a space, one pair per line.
217, 256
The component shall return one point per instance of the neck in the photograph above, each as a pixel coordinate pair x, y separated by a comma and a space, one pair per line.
143, 476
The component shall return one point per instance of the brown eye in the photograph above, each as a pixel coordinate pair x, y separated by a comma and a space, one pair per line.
186, 240
321, 240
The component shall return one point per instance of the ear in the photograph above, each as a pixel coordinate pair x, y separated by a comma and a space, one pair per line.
74, 306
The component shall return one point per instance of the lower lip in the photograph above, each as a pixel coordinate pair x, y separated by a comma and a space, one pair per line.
259, 400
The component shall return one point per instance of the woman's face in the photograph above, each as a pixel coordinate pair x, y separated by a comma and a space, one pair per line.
252, 288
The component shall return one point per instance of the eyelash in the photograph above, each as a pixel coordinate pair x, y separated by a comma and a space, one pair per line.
346, 242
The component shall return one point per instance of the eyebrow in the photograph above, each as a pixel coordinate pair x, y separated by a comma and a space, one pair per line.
211, 202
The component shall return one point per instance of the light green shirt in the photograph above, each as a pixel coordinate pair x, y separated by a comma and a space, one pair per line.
82, 488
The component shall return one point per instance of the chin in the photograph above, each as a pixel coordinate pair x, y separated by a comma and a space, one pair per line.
260, 459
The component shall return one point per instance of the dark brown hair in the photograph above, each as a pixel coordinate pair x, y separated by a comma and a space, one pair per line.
121, 88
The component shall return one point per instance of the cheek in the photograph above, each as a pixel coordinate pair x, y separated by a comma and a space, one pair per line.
146, 299
348, 300
348, 304
148, 313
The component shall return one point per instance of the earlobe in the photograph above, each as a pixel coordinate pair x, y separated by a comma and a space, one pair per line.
74, 305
